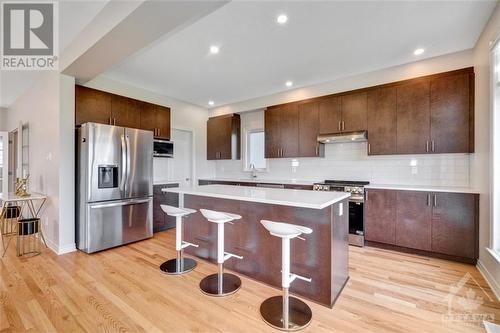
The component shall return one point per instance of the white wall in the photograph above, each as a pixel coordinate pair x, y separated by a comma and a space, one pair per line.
3, 119
480, 161
48, 107
183, 116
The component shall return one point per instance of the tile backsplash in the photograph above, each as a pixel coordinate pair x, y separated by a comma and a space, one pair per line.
350, 161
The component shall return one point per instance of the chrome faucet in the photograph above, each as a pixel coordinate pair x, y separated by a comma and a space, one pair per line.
253, 171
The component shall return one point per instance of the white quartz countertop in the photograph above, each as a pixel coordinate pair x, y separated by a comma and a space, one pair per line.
285, 197
164, 182
265, 181
425, 188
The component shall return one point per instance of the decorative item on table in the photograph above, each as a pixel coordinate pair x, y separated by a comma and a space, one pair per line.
22, 186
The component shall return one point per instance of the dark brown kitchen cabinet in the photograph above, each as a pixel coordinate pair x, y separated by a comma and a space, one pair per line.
353, 112
329, 115
455, 224
452, 121
156, 118
223, 137
281, 125
309, 130
381, 123
413, 220
126, 112
346, 113
413, 117
380, 216
438, 223
92, 106
162, 221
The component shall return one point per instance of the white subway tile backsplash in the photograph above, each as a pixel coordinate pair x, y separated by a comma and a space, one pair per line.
350, 161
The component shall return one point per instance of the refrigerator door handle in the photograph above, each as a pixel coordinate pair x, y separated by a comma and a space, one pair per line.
123, 164
127, 140
120, 203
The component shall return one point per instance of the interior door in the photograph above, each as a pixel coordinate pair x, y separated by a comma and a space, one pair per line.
181, 165
139, 163
105, 149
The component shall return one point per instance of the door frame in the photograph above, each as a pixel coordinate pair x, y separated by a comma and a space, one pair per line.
193, 149
5, 168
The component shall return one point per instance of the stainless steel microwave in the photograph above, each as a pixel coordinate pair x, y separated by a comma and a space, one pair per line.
163, 148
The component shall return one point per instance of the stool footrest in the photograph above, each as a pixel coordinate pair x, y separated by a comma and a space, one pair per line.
295, 276
186, 244
228, 255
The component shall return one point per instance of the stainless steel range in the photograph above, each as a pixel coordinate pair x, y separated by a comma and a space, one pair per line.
356, 205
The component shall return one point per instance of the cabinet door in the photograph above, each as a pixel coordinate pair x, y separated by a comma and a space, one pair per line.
213, 138
148, 117
92, 106
382, 121
309, 130
455, 224
353, 110
224, 138
380, 216
163, 122
413, 221
126, 112
289, 130
450, 114
329, 115
413, 118
272, 132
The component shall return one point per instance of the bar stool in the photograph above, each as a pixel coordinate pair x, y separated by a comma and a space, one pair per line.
179, 265
284, 312
220, 284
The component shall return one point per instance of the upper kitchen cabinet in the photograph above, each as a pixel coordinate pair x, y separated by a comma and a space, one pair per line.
309, 130
92, 106
413, 117
353, 109
156, 118
346, 113
126, 112
281, 125
223, 137
452, 117
382, 121
329, 115
98, 106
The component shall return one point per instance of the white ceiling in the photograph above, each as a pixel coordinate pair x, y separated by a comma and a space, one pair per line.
73, 17
321, 41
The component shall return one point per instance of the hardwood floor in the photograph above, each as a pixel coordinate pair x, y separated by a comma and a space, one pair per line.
122, 290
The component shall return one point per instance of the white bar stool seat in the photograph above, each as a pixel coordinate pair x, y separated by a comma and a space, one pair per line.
284, 312
220, 284
179, 265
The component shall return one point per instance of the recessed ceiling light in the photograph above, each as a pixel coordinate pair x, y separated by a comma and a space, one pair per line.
214, 49
418, 51
288, 83
281, 19
211, 103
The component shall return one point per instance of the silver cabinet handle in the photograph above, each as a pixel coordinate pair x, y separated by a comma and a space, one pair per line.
343, 125
366, 195
159, 131
432, 145
340, 126
428, 199
427, 146
317, 149
278, 152
369, 149
435, 200
114, 121
110, 123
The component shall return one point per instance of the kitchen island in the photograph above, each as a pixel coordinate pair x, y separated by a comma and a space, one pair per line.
322, 256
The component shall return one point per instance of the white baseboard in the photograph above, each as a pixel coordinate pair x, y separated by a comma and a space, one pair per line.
494, 285
60, 249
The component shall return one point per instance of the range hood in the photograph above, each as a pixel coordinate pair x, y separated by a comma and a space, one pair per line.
343, 137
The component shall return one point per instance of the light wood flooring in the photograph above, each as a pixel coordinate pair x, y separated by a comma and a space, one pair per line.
122, 290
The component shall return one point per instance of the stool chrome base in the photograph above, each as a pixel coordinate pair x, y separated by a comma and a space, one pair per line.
178, 266
299, 313
219, 285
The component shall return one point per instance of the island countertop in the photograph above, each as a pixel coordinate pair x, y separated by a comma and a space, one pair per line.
285, 197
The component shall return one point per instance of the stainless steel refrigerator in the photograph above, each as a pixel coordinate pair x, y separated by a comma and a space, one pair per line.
114, 186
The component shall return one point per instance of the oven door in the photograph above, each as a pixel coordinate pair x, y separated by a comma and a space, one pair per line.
356, 223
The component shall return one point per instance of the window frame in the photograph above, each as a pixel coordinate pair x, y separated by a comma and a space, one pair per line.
246, 164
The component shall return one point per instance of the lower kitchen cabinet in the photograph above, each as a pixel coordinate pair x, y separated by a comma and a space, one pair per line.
380, 216
162, 221
263, 184
439, 223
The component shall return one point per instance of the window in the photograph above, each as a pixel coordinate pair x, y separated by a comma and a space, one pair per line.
495, 190
255, 150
